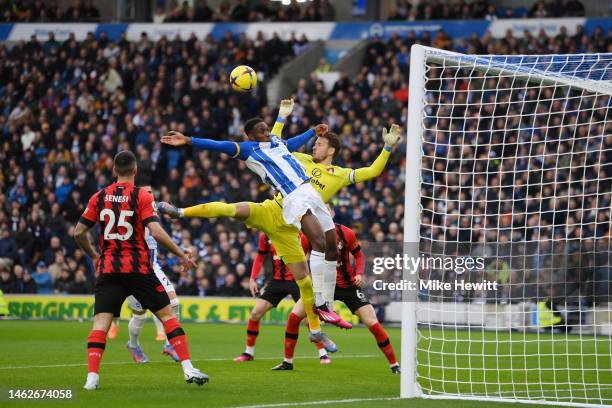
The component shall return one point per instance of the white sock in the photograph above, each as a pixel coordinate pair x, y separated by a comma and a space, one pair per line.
329, 281
317, 271
187, 365
322, 352
159, 325
135, 328
250, 350
289, 360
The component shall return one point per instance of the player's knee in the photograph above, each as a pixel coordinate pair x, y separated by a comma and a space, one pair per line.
243, 211
367, 315
256, 314
102, 321
164, 314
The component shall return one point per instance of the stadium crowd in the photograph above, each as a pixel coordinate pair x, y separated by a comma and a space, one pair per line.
267, 10
64, 118
481, 9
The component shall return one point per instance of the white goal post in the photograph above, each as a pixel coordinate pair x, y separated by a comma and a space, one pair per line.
509, 161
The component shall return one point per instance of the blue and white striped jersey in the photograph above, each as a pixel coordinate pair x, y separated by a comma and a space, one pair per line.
152, 244
272, 161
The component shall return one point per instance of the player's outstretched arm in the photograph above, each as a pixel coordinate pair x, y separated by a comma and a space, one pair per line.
300, 140
376, 168
177, 139
284, 110
162, 237
81, 237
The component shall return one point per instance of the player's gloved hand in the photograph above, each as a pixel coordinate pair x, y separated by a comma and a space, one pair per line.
174, 138
253, 287
392, 136
321, 129
285, 108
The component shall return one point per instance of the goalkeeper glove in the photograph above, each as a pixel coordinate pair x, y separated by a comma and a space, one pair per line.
392, 136
285, 108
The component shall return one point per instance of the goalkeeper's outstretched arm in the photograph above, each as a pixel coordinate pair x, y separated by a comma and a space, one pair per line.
376, 168
284, 110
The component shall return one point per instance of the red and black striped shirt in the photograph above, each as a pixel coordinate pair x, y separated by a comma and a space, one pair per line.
281, 272
123, 212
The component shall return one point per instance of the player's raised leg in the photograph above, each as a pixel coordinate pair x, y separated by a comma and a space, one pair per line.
215, 209
261, 308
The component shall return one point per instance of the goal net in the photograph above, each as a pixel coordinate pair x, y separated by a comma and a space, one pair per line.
509, 164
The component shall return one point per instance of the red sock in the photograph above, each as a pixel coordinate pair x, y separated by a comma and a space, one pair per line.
292, 331
252, 332
176, 337
96, 342
319, 346
383, 342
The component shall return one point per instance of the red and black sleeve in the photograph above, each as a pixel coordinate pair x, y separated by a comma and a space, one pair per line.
262, 250
90, 215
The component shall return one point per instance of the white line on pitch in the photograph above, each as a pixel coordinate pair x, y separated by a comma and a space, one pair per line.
294, 404
164, 361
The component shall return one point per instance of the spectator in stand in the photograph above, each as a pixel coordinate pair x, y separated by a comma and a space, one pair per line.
23, 280
7, 281
539, 10
42, 277
8, 248
64, 282
81, 284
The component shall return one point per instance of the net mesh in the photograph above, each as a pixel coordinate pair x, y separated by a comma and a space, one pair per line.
516, 171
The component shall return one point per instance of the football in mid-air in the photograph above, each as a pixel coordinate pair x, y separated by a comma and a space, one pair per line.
243, 78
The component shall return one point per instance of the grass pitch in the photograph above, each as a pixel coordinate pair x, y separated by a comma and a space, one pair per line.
52, 355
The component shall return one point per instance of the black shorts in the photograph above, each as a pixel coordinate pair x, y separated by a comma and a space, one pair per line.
276, 290
112, 289
352, 297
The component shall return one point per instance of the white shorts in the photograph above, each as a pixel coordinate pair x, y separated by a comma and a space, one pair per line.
302, 199
135, 304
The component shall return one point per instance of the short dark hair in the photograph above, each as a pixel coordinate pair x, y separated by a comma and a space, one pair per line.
334, 141
124, 163
250, 124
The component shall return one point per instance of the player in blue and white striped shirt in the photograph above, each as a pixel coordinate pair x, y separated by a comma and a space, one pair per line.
269, 156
